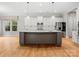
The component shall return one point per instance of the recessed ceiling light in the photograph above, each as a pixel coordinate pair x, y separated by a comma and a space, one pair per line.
28, 17
53, 17
40, 4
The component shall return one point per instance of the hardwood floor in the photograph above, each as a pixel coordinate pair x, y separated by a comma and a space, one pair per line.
9, 46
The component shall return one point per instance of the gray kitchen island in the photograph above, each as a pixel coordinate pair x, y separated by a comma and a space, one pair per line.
39, 37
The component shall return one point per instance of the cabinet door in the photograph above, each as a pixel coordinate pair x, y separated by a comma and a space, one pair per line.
40, 38
74, 36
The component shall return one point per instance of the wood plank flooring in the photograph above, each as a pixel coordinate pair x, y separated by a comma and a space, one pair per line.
9, 46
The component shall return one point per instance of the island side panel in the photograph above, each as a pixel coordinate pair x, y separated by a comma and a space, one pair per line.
59, 39
21, 38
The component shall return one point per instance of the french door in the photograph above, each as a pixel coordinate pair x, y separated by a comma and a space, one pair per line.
10, 28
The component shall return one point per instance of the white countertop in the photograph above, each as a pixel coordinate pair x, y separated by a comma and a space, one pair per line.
39, 31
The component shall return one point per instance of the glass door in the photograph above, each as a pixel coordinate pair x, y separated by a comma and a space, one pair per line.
9, 27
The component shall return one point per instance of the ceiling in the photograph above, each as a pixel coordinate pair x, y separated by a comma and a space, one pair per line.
36, 8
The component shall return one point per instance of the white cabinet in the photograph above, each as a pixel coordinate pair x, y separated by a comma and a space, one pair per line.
30, 23
74, 36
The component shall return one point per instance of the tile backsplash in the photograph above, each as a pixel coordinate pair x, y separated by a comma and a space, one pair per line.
30, 23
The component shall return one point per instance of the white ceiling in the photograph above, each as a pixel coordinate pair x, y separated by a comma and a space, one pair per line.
36, 8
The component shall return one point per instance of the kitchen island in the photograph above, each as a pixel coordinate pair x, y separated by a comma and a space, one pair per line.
40, 37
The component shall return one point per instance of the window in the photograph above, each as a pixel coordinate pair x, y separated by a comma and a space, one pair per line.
14, 25
7, 26
11, 25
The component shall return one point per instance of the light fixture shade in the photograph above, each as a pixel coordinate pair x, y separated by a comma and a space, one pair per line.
27, 2
52, 2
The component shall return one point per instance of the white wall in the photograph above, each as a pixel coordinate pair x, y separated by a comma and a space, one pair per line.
0, 27
21, 23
